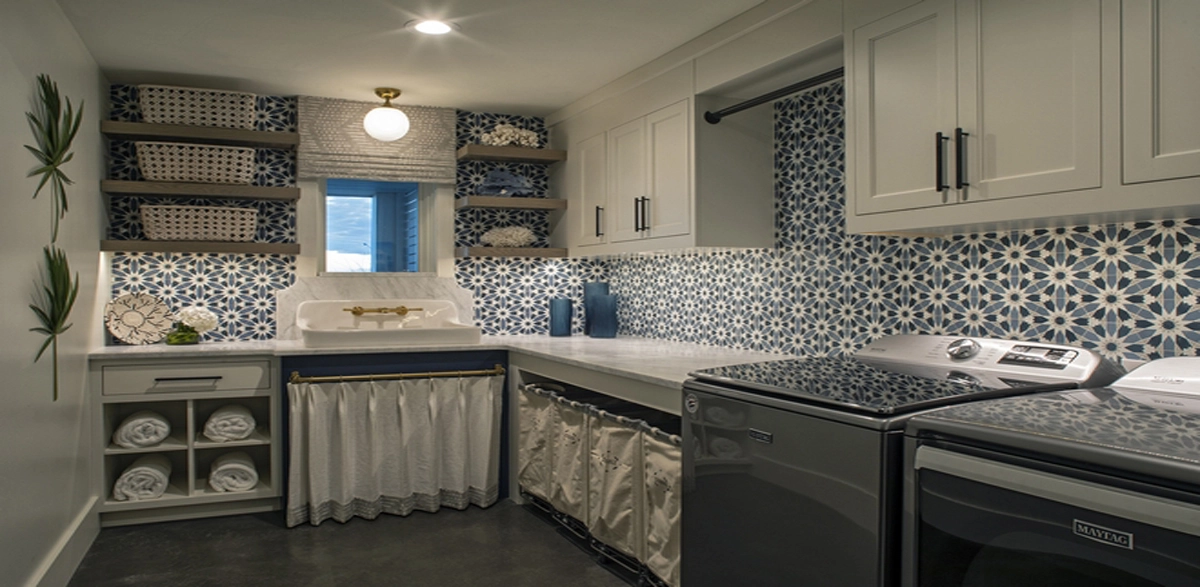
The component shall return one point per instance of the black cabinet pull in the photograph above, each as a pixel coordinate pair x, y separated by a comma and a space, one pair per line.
213, 378
960, 144
939, 156
598, 211
637, 214
645, 203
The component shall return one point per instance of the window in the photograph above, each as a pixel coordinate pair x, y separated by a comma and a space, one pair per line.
371, 226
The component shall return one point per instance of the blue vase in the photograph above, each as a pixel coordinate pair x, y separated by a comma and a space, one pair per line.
604, 316
560, 317
591, 290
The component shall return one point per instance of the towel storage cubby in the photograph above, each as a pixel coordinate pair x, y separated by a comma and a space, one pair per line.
186, 392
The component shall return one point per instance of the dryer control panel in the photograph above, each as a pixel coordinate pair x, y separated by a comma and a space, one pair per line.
1039, 356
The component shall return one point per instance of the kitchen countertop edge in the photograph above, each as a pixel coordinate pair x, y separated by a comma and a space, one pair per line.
659, 362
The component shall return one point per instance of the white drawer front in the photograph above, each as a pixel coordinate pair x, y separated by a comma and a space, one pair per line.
184, 377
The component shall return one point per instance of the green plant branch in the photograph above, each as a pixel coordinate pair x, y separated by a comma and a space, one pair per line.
52, 303
54, 123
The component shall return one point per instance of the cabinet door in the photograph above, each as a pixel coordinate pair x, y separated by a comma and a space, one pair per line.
590, 159
1029, 96
626, 179
1160, 83
668, 212
903, 93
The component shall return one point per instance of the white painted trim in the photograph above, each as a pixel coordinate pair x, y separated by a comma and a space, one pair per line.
60, 563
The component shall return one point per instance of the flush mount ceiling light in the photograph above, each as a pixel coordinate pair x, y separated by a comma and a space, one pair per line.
431, 27
386, 123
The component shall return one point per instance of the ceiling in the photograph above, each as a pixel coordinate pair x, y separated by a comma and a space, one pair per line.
511, 56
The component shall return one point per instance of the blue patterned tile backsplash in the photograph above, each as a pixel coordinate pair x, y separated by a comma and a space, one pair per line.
240, 289
1127, 290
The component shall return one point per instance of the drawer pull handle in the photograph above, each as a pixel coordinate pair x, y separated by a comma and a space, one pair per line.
213, 378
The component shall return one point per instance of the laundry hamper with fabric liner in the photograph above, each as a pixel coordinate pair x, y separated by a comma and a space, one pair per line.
535, 444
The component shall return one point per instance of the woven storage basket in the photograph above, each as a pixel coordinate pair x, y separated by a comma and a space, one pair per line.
196, 107
195, 163
199, 223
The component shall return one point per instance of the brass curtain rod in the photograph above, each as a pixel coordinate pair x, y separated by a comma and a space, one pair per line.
297, 378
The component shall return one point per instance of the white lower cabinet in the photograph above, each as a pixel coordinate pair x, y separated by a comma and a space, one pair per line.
185, 393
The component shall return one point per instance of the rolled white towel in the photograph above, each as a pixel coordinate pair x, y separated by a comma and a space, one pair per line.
231, 422
141, 430
146, 478
233, 471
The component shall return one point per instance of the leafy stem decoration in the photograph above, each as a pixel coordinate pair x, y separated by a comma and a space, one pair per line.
54, 123
53, 302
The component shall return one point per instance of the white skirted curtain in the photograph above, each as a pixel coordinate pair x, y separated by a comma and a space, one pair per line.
366, 448
333, 143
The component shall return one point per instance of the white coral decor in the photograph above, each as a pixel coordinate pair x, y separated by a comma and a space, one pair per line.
507, 134
508, 236
199, 319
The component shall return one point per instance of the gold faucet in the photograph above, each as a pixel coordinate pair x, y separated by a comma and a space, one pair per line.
399, 310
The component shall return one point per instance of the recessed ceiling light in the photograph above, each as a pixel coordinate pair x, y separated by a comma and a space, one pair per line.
430, 27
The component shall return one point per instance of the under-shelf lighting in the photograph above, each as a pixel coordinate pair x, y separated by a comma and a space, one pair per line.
386, 123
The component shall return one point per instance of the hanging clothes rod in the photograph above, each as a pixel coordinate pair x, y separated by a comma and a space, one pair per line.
715, 117
297, 378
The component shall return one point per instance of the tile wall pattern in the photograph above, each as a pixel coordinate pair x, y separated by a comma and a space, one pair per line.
469, 225
240, 289
1127, 290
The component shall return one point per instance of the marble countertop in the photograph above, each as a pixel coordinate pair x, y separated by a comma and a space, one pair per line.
659, 362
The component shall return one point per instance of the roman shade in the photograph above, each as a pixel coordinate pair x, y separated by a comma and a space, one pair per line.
333, 143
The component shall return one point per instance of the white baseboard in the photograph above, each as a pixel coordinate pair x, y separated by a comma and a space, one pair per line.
60, 563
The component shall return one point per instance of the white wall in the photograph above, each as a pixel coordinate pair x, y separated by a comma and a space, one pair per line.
45, 489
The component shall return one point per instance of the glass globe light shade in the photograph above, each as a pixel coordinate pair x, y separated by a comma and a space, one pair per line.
386, 123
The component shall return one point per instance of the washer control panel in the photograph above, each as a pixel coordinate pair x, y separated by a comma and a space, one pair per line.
1039, 356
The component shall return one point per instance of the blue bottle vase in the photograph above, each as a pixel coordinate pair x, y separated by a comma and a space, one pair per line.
560, 317
590, 291
604, 316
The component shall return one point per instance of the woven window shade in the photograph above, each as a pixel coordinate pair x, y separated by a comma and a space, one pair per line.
333, 143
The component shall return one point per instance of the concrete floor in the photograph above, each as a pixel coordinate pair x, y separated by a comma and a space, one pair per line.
504, 545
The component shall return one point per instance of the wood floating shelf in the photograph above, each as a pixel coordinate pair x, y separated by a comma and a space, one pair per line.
140, 246
510, 154
201, 190
465, 252
510, 203
145, 131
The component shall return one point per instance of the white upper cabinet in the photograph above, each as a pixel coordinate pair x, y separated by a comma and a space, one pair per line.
1029, 97
636, 163
1160, 56
588, 177
965, 100
905, 94
627, 176
667, 209
1065, 112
